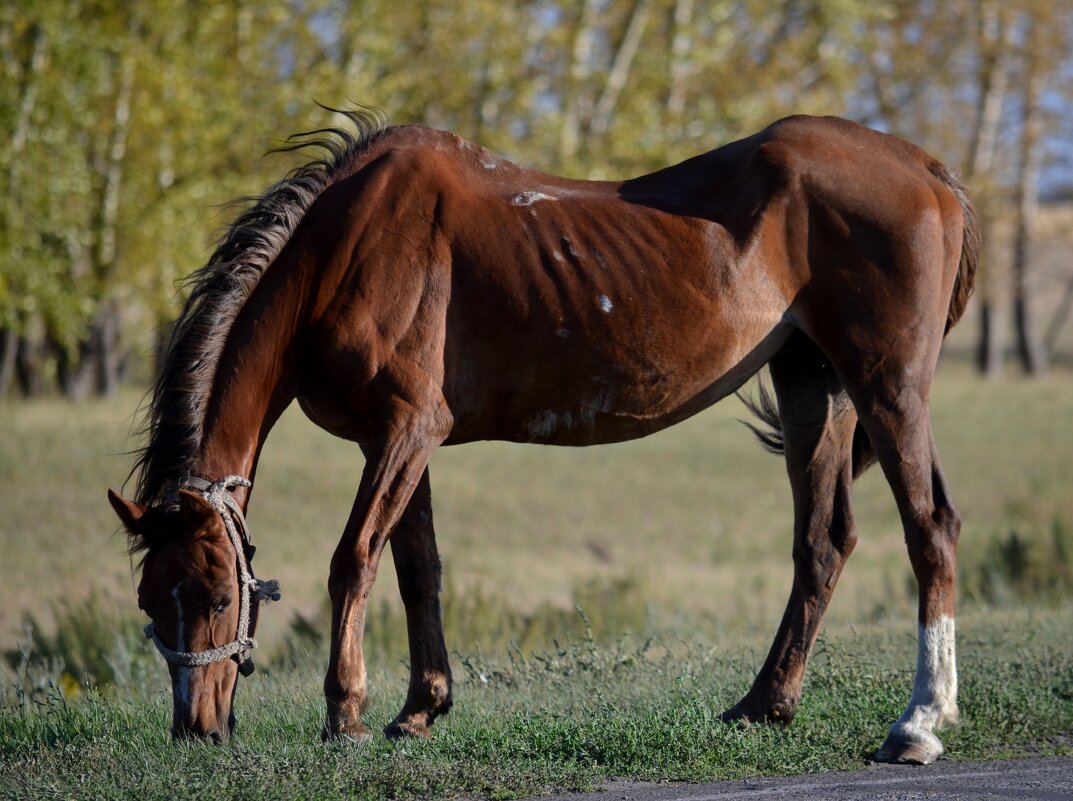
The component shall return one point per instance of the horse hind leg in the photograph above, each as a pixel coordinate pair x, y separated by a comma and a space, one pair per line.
817, 422
910, 460
890, 382
417, 563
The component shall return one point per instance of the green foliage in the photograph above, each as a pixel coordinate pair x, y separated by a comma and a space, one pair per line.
1019, 567
124, 125
91, 645
603, 611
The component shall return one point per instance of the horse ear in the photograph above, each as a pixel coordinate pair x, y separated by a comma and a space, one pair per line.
130, 512
194, 507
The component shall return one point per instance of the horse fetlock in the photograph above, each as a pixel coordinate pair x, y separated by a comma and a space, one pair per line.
431, 694
912, 738
344, 718
782, 711
419, 713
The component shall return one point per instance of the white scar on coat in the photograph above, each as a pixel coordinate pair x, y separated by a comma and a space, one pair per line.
529, 198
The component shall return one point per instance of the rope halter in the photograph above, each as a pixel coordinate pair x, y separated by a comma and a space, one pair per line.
218, 496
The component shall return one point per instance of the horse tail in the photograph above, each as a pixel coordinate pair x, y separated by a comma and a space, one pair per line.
970, 245
769, 433
764, 406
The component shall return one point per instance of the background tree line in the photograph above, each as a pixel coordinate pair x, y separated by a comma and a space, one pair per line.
124, 125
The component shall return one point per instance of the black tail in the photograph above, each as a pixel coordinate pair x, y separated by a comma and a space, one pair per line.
769, 433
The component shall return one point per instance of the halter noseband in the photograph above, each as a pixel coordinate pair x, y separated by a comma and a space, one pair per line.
219, 497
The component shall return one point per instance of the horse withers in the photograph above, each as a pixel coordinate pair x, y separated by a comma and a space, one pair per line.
411, 290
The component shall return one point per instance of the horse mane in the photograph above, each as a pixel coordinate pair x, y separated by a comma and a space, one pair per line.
174, 418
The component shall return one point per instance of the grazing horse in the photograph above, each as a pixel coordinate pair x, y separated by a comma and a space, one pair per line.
411, 289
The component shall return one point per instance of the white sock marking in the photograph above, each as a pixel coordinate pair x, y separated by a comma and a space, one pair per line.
935, 689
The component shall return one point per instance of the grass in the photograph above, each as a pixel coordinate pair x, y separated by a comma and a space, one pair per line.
565, 719
684, 537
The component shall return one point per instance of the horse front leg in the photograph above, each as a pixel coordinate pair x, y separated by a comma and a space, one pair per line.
417, 564
392, 472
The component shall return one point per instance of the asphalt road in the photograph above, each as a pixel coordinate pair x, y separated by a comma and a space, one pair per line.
1048, 779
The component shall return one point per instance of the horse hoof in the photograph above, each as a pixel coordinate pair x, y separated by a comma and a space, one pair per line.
402, 728
355, 733
904, 748
740, 712
781, 714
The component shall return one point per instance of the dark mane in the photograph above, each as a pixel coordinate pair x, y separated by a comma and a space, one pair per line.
175, 414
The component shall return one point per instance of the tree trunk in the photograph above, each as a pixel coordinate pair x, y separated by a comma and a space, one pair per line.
993, 37
1061, 315
1030, 349
104, 252
681, 69
29, 367
75, 369
9, 342
28, 96
991, 336
106, 336
578, 97
620, 67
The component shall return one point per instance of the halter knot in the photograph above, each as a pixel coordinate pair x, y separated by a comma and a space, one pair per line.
266, 590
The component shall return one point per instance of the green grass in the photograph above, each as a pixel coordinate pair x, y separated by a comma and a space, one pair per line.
565, 719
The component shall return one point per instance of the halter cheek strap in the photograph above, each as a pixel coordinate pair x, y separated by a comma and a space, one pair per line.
218, 495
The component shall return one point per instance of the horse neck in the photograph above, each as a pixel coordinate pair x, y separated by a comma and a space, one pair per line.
254, 380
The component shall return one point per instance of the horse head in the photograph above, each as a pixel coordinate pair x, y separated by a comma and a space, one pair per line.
197, 587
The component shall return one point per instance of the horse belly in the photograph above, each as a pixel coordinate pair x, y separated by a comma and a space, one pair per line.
593, 394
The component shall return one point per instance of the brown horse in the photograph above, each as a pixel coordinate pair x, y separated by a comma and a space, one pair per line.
413, 290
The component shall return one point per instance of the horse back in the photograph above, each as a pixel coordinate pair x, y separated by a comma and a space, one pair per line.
548, 309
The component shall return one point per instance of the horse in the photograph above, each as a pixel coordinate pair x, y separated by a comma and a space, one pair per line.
411, 290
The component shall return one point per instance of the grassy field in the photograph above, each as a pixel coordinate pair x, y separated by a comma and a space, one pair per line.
566, 719
698, 516
684, 537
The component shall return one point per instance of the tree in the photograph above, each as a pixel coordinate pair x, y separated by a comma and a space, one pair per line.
993, 42
123, 126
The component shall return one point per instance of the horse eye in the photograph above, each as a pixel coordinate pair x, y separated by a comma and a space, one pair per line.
221, 605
